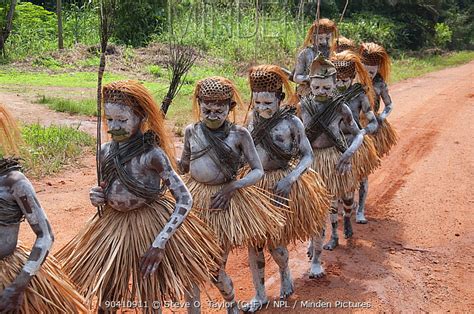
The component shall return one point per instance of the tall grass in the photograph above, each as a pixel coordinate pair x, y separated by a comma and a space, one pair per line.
47, 149
86, 107
237, 33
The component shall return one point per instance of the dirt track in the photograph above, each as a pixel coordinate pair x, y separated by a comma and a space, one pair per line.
416, 253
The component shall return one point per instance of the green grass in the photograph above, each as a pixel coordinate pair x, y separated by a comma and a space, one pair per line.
407, 67
70, 79
86, 107
47, 149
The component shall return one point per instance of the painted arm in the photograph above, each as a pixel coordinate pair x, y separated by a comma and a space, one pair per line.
301, 69
283, 187
251, 156
387, 100
97, 193
344, 164
369, 115
221, 200
303, 115
154, 255
184, 162
25, 196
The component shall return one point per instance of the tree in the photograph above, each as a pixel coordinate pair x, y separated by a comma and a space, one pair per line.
60, 24
6, 30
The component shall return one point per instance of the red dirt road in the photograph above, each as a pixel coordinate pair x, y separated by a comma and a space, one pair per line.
416, 253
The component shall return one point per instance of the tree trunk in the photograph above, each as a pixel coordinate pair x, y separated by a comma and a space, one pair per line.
5, 31
60, 24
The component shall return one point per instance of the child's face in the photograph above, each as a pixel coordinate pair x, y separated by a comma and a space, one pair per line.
122, 121
343, 84
323, 40
265, 103
372, 69
322, 89
214, 114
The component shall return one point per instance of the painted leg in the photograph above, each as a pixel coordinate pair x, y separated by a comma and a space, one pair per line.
348, 206
310, 249
225, 286
334, 241
317, 269
257, 267
281, 257
363, 190
194, 299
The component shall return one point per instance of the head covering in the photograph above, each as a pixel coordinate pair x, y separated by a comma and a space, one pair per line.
321, 68
135, 95
344, 43
10, 136
325, 26
349, 65
373, 54
215, 88
271, 78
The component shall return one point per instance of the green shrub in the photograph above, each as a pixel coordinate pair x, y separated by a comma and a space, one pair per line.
443, 35
136, 21
35, 29
370, 28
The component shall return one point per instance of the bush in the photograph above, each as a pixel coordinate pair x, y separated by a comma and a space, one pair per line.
137, 21
443, 35
35, 29
370, 28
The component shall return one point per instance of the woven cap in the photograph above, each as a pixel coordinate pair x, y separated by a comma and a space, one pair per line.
265, 81
213, 89
345, 69
117, 97
371, 58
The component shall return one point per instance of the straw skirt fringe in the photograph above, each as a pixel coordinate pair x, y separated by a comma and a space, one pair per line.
385, 138
338, 185
50, 291
251, 218
105, 256
365, 160
309, 206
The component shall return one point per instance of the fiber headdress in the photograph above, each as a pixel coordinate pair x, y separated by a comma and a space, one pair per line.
215, 88
9, 133
374, 54
271, 78
325, 26
348, 64
135, 95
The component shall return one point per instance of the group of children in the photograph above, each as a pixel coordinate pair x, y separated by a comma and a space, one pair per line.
168, 225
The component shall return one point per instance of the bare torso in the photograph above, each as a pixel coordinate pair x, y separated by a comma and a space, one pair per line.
118, 196
204, 169
285, 135
336, 125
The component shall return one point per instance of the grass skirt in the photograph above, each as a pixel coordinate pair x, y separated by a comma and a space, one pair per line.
325, 162
50, 291
309, 206
385, 138
365, 160
251, 218
105, 256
